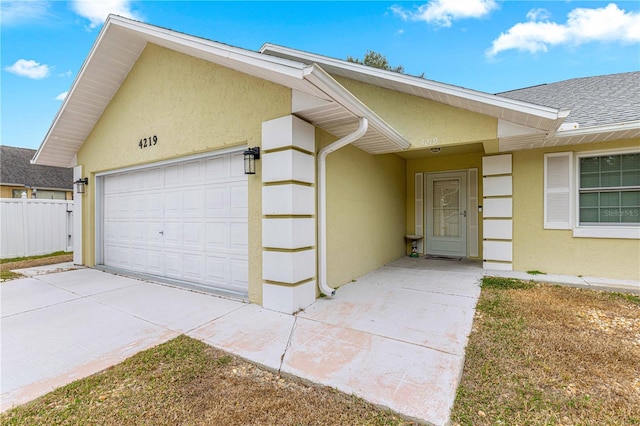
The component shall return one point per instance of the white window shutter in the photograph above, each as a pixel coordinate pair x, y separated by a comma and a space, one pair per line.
472, 216
558, 193
419, 208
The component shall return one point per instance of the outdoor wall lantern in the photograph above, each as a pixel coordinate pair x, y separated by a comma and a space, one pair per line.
250, 157
80, 184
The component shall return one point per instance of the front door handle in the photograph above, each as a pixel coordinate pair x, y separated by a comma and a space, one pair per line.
464, 213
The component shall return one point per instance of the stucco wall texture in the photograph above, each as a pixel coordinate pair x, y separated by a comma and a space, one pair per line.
193, 106
366, 209
558, 251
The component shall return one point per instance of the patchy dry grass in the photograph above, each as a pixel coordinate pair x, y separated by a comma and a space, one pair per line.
185, 381
29, 262
549, 355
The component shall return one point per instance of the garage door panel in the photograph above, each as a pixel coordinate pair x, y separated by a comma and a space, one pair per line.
217, 201
172, 176
173, 264
216, 169
216, 236
239, 236
239, 203
172, 235
154, 205
153, 235
155, 261
193, 238
239, 273
153, 179
173, 203
186, 221
193, 267
137, 232
217, 270
193, 205
237, 166
138, 260
192, 172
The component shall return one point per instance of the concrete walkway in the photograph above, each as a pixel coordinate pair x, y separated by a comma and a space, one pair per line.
395, 337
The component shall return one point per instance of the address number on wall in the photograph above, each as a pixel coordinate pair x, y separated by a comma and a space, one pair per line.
148, 142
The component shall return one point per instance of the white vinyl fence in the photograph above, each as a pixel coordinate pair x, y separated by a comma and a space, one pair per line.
30, 227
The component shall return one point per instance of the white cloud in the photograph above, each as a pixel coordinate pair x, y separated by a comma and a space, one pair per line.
583, 25
443, 12
62, 96
538, 15
13, 12
29, 68
96, 11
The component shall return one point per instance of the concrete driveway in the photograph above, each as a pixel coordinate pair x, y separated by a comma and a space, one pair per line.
395, 337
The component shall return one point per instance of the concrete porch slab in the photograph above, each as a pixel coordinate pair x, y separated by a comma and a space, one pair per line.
413, 380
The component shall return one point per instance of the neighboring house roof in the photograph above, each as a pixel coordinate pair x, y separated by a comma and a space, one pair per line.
16, 170
593, 101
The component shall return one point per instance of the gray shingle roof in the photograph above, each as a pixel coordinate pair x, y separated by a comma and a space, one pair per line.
593, 101
16, 169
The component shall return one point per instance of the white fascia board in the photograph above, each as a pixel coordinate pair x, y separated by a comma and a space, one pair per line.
154, 34
69, 96
461, 92
323, 81
607, 128
166, 37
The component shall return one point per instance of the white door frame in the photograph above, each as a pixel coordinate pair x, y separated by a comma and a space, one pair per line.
452, 246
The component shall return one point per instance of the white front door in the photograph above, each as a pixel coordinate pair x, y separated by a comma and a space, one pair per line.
446, 214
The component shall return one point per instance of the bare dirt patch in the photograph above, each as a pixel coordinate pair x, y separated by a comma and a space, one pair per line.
542, 354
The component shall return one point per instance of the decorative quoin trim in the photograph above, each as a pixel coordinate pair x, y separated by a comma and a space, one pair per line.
497, 184
288, 209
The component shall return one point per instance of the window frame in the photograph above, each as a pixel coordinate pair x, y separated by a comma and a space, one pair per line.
619, 230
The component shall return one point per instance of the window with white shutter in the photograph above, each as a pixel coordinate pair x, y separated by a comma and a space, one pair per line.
419, 208
558, 196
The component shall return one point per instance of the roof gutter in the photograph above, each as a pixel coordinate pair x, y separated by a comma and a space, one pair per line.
322, 201
323, 81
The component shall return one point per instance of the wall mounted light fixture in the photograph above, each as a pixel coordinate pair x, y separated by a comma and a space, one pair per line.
80, 185
250, 157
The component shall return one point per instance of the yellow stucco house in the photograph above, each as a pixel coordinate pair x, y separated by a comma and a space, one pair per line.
352, 159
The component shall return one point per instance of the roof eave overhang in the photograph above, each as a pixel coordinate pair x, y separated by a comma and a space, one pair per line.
519, 112
605, 133
388, 139
79, 112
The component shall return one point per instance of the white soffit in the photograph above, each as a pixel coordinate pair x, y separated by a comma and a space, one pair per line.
523, 113
118, 47
578, 136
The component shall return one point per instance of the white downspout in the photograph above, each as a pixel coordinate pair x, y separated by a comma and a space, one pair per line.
322, 201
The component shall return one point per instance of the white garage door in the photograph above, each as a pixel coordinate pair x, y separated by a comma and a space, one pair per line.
186, 221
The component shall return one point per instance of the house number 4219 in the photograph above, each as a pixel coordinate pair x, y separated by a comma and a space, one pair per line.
148, 142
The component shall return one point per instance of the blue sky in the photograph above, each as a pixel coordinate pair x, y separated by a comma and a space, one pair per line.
487, 45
